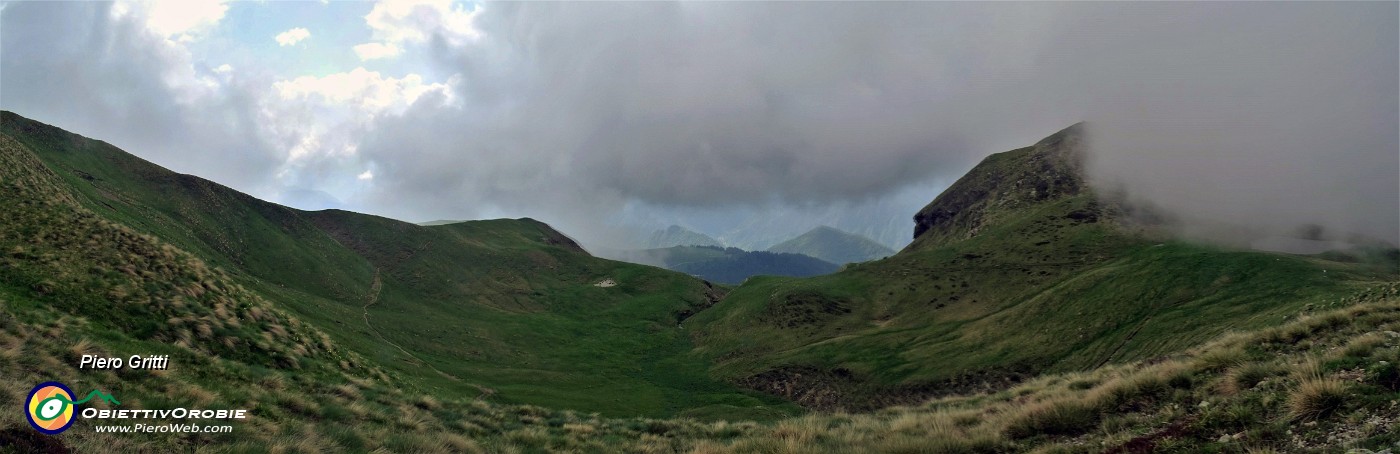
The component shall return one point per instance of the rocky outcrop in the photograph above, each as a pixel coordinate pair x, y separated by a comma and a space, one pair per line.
840, 389
1002, 183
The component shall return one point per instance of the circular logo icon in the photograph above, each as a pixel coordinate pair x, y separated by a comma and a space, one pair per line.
49, 407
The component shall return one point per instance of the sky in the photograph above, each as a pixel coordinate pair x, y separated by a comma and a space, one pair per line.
750, 122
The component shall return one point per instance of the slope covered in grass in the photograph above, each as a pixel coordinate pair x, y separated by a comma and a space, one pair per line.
1324, 381
1018, 269
507, 309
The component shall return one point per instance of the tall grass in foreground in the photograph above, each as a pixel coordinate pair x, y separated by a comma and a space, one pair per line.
1177, 404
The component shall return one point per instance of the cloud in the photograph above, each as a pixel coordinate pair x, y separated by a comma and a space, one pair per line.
291, 37
567, 114
321, 122
368, 90
182, 20
575, 110
146, 93
395, 24
135, 87
372, 51
597, 117
1263, 119
698, 105
415, 21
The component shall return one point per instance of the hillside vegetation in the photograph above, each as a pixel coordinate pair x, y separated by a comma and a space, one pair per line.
508, 309
1018, 269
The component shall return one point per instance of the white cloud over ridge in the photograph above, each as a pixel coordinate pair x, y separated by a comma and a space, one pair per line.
139, 87
288, 140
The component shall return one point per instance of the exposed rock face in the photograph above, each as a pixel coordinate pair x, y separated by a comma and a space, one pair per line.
1046, 171
808, 387
554, 237
842, 390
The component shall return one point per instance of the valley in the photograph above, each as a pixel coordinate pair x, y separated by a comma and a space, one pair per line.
505, 305
1026, 313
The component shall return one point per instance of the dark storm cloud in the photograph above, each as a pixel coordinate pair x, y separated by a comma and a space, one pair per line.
574, 109
599, 117
81, 67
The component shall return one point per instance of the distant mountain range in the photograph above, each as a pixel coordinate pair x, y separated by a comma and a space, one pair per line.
679, 236
819, 251
727, 265
834, 246
886, 222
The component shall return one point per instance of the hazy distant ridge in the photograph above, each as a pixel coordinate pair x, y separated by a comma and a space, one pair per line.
680, 236
834, 246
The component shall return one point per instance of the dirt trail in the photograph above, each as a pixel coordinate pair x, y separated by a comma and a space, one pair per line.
370, 300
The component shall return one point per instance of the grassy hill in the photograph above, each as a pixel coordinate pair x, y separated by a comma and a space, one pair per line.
508, 308
75, 283
1018, 269
833, 246
727, 265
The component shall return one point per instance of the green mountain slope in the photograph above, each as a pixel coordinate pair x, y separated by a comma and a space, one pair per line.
74, 283
1018, 269
727, 265
679, 236
506, 308
833, 246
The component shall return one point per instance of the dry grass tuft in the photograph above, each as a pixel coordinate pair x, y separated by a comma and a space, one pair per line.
1056, 417
348, 391
1315, 398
